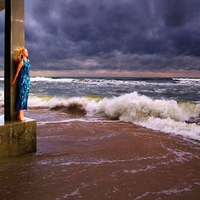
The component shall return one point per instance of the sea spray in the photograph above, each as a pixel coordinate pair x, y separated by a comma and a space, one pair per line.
138, 107
168, 116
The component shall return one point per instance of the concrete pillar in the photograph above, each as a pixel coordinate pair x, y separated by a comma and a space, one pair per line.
2, 5
16, 137
14, 36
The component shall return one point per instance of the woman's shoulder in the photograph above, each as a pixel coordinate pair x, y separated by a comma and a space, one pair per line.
21, 62
25, 61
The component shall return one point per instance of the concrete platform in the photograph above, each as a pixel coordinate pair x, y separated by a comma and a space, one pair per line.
16, 137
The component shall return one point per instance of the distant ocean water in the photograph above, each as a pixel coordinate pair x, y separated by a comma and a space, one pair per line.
170, 105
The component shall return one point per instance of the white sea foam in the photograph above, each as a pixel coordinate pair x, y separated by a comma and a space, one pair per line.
187, 81
87, 81
134, 107
46, 79
97, 81
40, 123
168, 116
115, 82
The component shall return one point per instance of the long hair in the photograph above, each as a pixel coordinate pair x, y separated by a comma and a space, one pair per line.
18, 53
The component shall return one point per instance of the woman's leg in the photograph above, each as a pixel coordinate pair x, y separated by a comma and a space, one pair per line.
21, 115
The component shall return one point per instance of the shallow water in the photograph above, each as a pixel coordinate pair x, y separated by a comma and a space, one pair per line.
80, 158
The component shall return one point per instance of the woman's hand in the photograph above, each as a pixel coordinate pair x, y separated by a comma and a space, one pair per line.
12, 83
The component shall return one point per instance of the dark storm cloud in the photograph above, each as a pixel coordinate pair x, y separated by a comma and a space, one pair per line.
115, 34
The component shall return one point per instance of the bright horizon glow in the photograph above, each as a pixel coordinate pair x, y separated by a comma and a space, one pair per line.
107, 73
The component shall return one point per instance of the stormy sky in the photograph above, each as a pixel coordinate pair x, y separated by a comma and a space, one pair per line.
112, 37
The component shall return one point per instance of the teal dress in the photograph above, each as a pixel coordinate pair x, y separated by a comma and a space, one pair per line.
24, 85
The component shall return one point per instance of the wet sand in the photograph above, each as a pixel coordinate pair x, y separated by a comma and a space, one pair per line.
103, 160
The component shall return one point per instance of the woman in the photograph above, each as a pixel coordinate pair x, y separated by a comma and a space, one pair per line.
22, 73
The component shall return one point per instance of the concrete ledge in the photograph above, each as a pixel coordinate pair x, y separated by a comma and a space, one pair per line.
16, 137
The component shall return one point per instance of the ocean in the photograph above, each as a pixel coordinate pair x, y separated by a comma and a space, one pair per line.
170, 105
109, 138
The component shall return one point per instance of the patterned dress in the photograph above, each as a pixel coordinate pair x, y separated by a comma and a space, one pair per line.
24, 85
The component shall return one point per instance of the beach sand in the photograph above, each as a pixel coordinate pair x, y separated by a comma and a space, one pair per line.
102, 160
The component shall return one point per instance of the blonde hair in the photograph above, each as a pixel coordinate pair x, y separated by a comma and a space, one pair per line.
18, 53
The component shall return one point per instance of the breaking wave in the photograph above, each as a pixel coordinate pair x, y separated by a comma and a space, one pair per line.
169, 116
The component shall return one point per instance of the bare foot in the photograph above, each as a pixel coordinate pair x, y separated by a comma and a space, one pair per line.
21, 118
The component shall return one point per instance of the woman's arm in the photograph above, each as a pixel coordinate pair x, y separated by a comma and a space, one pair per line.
19, 66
